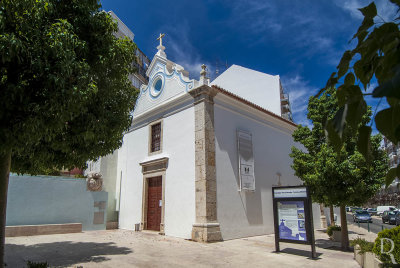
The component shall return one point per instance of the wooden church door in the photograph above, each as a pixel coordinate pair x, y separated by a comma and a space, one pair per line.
154, 203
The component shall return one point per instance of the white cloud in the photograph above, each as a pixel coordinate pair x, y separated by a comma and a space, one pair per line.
385, 9
254, 12
181, 50
299, 92
292, 25
352, 7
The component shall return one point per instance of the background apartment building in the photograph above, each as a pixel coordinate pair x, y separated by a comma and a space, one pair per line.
142, 61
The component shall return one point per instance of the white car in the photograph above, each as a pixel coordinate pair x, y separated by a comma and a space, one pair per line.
381, 209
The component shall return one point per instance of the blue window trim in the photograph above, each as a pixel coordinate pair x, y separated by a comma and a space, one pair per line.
153, 92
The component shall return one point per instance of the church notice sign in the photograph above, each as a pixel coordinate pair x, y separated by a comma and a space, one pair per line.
293, 216
246, 161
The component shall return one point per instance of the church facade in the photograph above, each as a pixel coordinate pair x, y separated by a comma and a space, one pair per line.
199, 161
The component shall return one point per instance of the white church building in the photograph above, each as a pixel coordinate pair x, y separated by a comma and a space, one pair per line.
200, 158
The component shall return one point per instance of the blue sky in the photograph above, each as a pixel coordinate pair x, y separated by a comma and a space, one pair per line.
302, 41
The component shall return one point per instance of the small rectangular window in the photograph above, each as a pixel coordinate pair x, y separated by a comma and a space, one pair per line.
156, 137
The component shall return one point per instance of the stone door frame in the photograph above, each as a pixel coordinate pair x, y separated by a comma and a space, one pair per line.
151, 169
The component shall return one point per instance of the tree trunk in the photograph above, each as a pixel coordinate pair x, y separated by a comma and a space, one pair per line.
5, 162
332, 215
345, 232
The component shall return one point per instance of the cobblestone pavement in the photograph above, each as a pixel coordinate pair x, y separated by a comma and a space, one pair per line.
122, 248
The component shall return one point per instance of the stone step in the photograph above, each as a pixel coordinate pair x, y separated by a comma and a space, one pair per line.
43, 229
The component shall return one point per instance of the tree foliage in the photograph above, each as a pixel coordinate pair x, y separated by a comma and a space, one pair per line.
375, 57
65, 96
336, 178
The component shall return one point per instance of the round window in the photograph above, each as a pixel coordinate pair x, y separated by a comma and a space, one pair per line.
157, 86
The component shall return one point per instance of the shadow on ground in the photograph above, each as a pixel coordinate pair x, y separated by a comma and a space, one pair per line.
332, 245
300, 252
61, 254
350, 232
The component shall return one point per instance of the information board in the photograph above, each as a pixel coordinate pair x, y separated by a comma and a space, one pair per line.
293, 220
246, 161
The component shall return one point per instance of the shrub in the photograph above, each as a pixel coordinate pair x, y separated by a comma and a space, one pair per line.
332, 228
50, 172
79, 176
31, 264
394, 235
365, 246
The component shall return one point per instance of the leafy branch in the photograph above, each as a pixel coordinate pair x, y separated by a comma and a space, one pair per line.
376, 56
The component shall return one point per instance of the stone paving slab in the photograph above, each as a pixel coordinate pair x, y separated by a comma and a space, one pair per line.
122, 248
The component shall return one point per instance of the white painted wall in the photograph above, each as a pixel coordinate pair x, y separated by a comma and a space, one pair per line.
257, 87
178, 146
131, 153
107, 167
108, 170
243, 214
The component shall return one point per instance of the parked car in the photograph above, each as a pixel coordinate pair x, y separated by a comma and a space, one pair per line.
397, 219
381, 209
372, 211
354, 209
362, 216
392, 216
388, 216
348, 209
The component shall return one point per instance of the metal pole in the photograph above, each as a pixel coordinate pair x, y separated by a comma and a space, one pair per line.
368, 228
313, 251
276, 223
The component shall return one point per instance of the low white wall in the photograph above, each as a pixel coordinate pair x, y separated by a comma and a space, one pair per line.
316, 216
34, 200
243, 214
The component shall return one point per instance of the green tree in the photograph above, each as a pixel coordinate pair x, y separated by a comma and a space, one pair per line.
375, 57
65, 96
336, 178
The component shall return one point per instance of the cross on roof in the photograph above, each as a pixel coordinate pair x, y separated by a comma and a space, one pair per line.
160, 38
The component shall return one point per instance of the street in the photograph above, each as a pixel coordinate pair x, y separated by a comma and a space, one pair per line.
375, 226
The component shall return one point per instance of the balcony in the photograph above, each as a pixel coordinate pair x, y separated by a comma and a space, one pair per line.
140, 71
285, 108
284, 101
392, 155
284, 96
287, 116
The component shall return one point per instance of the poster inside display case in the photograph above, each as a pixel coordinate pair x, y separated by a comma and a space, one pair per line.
292, 220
